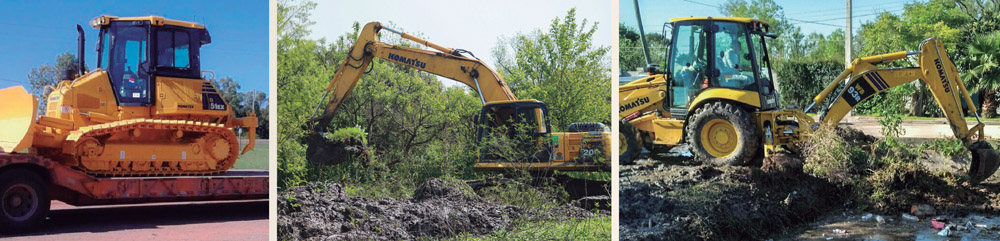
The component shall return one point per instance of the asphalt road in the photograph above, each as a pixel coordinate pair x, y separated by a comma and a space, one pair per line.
220, 220
917, 129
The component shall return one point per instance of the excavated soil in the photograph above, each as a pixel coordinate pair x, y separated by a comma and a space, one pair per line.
688, 201
670, 196
438, 209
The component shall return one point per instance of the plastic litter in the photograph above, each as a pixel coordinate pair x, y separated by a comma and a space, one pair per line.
839, 231
867, 216
910, 217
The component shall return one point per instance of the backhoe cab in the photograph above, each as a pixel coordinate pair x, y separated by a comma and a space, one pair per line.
718, 96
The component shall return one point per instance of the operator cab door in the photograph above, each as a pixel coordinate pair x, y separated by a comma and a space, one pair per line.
714, 54
124, 53
513, 132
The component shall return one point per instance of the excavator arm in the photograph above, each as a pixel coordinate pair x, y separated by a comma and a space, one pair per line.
445, 62
938, 72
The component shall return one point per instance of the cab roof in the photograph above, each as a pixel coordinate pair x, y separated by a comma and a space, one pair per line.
153, 20
731, 19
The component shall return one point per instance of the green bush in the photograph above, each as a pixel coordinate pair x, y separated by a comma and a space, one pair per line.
800, 81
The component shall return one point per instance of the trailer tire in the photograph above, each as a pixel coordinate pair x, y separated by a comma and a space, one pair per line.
722, 134
24, 200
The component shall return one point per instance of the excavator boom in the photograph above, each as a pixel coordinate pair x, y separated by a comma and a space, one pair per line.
445, 62
940, 75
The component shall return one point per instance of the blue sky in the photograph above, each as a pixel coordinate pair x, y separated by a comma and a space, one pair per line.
810, 15
35, 32
471, 25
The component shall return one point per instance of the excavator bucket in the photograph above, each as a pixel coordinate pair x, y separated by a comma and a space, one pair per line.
324, 151
17, 114
985, 161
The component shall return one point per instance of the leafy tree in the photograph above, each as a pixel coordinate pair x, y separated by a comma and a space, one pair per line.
560, 67
984, 76
48, 75
630, 56
781, 48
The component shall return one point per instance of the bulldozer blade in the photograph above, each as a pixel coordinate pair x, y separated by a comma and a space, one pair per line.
324, 151
17, 114
985, 161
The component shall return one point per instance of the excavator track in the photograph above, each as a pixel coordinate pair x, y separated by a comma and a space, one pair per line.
110, 149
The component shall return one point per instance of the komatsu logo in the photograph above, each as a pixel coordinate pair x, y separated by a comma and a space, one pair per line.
636, 103
408, 61
944, 80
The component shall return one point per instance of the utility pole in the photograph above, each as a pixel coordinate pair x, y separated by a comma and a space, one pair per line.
847, 36
848, 31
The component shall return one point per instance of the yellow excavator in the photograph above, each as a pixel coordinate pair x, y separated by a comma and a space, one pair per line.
144, 111
580, 149
717, 95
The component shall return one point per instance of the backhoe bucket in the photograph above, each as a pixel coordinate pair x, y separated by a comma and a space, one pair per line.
326, 152
985, 161
17, 114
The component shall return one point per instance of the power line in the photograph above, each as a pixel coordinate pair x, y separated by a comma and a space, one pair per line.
844, 9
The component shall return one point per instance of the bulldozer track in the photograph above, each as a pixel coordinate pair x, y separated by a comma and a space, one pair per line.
124, 167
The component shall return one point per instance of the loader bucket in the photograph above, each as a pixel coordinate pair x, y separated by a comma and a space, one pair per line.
326, 152
985, 161
17, 114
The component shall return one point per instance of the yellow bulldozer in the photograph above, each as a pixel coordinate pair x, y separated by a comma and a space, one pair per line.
144, 111
717, 95
580, 149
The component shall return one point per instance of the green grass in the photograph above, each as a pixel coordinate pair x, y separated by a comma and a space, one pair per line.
598, 228
255, 159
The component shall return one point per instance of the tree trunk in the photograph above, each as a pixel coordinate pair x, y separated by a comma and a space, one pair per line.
989, 103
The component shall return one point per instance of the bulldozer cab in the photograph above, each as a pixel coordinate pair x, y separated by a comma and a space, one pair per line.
523, 127
134, 51
728, 53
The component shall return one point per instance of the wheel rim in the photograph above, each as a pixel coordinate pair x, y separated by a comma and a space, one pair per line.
622, 143
719, 138
20, 202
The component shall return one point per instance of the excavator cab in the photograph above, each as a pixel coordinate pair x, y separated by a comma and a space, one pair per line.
508, 122
718, 53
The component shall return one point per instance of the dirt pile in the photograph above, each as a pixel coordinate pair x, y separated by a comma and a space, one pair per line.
438, 209
701, 202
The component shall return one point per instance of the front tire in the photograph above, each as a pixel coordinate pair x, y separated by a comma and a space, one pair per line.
628, 143
722, 134
24, 200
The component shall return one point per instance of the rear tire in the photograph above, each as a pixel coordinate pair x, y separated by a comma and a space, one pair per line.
628, 140
722, 134
24, 200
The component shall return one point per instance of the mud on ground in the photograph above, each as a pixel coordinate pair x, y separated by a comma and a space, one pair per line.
669, 196
438, 209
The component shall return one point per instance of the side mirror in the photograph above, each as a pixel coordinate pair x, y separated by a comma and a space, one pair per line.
771, 35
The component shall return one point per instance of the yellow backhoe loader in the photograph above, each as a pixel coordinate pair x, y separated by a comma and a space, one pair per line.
580, 149
718, 96
144, 111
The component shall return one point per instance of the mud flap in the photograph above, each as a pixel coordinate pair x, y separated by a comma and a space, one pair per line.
985, 161
326, 152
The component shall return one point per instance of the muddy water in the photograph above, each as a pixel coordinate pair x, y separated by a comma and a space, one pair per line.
852, 226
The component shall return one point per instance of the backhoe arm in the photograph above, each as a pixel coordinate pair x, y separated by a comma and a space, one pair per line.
939, 74
445, 62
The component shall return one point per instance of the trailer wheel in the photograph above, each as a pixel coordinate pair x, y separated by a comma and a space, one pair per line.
24, 200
